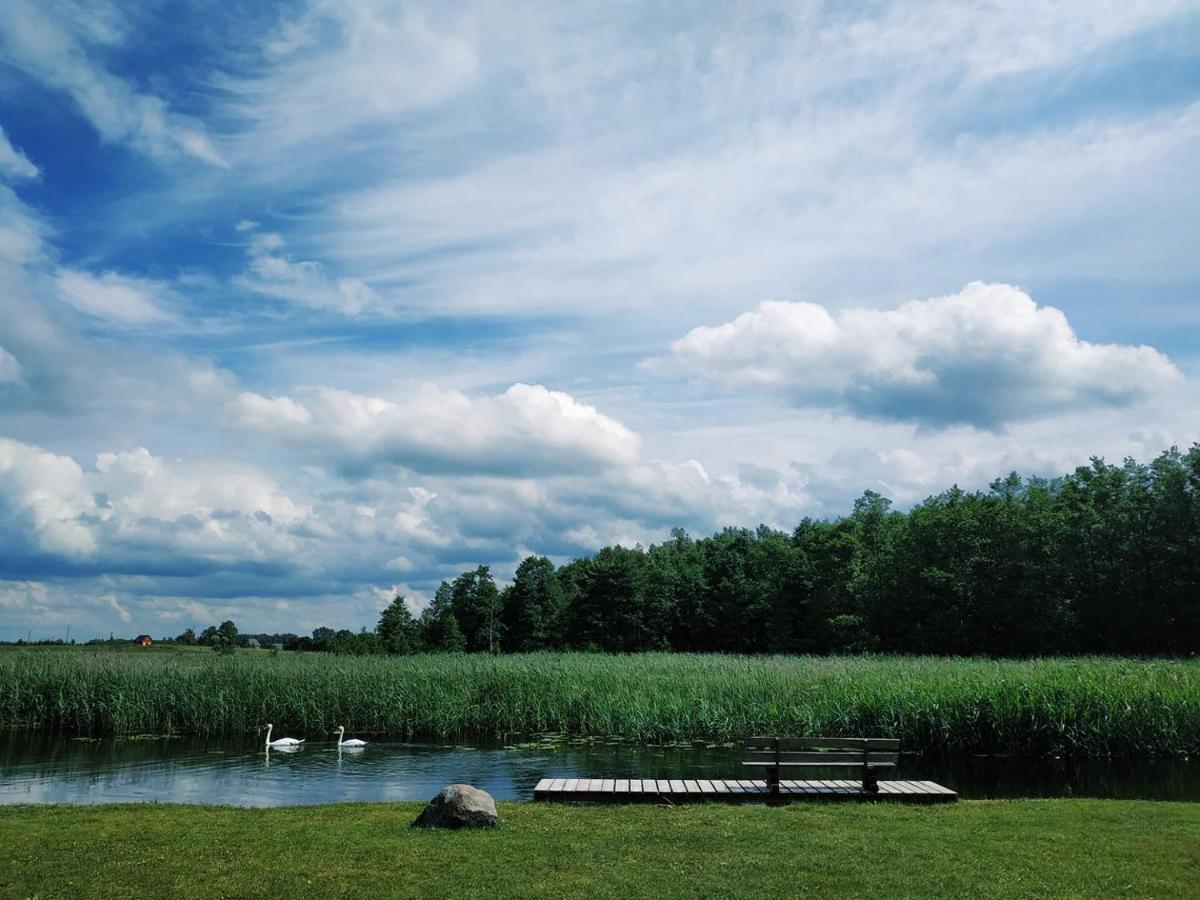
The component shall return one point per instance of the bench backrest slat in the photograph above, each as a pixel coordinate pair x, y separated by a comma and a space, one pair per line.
830, 757
821, 743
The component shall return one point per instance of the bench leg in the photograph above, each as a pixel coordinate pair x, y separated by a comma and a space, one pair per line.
773, 780
870, 783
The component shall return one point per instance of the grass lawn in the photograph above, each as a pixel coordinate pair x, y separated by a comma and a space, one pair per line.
1024, 848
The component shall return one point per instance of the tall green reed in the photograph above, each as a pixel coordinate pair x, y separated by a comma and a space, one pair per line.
1042, 707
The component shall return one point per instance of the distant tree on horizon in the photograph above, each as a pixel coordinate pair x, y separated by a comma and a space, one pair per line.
475, 602
1105, 560
398, 630
532, 607
440, 630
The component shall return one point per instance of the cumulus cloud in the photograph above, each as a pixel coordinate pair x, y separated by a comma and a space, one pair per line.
119, 299
137, 512
603, 176
986, 356
414, 600
526, 429
56, 44
139, 484
44, 498
14, 163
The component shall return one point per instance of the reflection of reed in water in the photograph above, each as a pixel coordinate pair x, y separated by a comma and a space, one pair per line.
39, 756
194, 770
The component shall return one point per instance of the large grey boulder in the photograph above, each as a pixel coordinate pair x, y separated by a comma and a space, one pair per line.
459, 806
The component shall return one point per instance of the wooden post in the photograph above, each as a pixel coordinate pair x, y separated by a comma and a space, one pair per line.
773, 771
870, 783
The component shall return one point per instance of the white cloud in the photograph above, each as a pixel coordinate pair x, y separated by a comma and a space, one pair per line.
56, 43
303, 282
44, 498
986, 356
270, 414
595, 227
416, 601
141, 485
10, 368
120, 299
122, 613
20, 230
987, 41
74, 380
337, 66
779, 146
610, 178
14, 163
27, 596
135, 502
528, 428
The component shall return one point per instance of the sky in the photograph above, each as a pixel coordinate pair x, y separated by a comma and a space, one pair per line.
305, 304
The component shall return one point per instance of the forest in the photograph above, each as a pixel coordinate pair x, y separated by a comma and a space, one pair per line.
1103, 560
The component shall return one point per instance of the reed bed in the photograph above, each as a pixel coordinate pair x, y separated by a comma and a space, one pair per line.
1042, 707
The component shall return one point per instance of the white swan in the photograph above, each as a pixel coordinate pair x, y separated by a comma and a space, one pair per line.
281, 743
352, 744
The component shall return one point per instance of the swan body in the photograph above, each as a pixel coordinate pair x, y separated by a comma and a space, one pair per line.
281, 743
352, 744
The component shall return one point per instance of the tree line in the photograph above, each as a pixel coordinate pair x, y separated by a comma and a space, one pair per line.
1104, 560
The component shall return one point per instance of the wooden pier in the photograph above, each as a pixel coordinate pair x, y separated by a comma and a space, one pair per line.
649, 790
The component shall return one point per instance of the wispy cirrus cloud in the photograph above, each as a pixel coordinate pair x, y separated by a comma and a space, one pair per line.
273, 273
332, 69
115, 298
14, 163
476, 219
57, 44
10, 368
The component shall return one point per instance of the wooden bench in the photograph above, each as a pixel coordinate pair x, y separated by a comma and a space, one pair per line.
778, 753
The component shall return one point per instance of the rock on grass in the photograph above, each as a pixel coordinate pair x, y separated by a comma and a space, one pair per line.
459, 806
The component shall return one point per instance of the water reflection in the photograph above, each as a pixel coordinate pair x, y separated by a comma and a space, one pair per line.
36, 769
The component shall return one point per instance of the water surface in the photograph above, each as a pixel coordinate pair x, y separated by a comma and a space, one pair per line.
39, 769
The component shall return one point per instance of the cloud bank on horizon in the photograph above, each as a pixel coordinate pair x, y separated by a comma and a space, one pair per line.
308, 303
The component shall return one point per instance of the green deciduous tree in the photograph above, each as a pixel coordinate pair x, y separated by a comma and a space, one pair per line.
533, 607
475, 602
439, 627
397, 629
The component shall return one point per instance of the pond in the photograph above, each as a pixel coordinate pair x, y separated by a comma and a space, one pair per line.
38, 769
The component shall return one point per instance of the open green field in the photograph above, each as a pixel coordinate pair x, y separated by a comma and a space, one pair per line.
1079, 706
1026, 848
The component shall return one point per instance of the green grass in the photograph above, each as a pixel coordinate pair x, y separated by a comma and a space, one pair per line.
1025, 848
1080, 707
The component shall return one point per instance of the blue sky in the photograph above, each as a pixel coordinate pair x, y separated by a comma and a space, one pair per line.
308, 303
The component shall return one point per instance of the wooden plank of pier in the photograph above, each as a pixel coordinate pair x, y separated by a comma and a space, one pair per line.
735, 790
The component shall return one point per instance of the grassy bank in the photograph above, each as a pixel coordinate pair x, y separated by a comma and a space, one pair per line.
1025, 848
1093, 706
